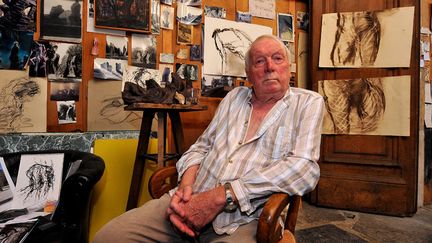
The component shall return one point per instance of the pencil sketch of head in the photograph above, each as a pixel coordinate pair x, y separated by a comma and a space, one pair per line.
357, 104
40, 180
231, 45
13, 97
357, 39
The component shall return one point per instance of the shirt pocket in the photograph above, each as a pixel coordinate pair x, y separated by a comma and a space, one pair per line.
275, 143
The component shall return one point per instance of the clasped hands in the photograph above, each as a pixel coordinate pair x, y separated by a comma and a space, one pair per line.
189, 212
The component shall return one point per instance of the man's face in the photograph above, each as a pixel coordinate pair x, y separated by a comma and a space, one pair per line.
269, 69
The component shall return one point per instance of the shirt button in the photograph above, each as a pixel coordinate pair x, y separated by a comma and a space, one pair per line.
230, 161
240, 143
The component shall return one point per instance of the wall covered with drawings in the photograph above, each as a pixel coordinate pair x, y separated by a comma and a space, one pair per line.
70, 78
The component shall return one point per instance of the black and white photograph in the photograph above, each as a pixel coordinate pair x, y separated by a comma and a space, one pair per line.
188, 15
303, 20
167, 2
18, 15
166, 57
62, 91
187, 71
155, 17
140, 75
215, 12
66, 112
61, 20
166, 70
64, 62
116, 47
245, 17
346, 42
285, 23
37, 60
195, 52
144, 51
167, 17
14, 48
216, 86
190, 2
108, 69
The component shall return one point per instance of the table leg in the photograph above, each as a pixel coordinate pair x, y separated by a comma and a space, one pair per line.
139, 165
162, 121
177, 129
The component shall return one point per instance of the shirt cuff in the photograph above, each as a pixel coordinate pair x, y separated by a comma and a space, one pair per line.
242, 197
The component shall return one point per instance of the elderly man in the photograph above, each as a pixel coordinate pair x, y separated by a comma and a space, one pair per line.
262, 140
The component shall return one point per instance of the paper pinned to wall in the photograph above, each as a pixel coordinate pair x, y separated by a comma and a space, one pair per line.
263, 8
39, 180
428, 95
428, 115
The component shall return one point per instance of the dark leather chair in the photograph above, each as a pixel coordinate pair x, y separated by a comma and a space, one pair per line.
269, 230
71, 219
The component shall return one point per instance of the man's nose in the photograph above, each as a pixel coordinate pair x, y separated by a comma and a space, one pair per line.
270, 65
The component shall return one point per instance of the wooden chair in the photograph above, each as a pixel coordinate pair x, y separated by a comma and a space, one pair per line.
269, 229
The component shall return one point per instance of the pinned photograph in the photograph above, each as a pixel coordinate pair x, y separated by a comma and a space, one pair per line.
187, 71
303, 20
167, 17
216, 86
166, 57
215, 12
168, 2
37, 60
182, 53
64, 62
66, 112
155, 17
184, 34
191, 2
61, 20
116, 47
285, 27
245, 17
39, 180
144, 51
14, 49
166, 70
64, 91
188, 15
119, 15
195, 52
108, 69
18, 15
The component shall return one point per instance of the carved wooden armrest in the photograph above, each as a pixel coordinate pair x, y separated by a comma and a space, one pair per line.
269, 229
162, 180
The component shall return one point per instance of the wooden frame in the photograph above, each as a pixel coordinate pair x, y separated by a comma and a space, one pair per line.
122, 16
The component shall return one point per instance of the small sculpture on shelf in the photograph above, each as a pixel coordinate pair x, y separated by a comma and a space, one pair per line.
178, 91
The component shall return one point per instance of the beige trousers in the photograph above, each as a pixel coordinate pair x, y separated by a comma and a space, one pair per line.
148, 224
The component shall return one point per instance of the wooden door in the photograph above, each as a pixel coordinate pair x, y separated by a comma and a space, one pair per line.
376, 174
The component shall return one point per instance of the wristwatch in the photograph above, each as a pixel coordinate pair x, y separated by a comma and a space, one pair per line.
230, 205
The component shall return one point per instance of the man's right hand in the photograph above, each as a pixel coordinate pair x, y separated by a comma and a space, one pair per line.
176, 214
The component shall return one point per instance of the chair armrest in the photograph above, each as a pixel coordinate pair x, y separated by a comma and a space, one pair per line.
269, 229
162, 180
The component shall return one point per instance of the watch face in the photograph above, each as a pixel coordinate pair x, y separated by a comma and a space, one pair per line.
230, 208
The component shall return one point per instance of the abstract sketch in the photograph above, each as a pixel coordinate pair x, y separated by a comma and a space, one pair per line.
39, 180
368, 106
139, 76
225, 48
108, 69
106, 108
144, 51
22, 103
116, 47
367, 38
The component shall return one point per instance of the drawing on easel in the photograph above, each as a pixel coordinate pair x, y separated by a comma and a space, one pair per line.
39, 180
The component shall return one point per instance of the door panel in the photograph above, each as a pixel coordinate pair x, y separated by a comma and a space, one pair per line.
376, 174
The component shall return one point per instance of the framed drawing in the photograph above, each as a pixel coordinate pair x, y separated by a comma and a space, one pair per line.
124, 15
